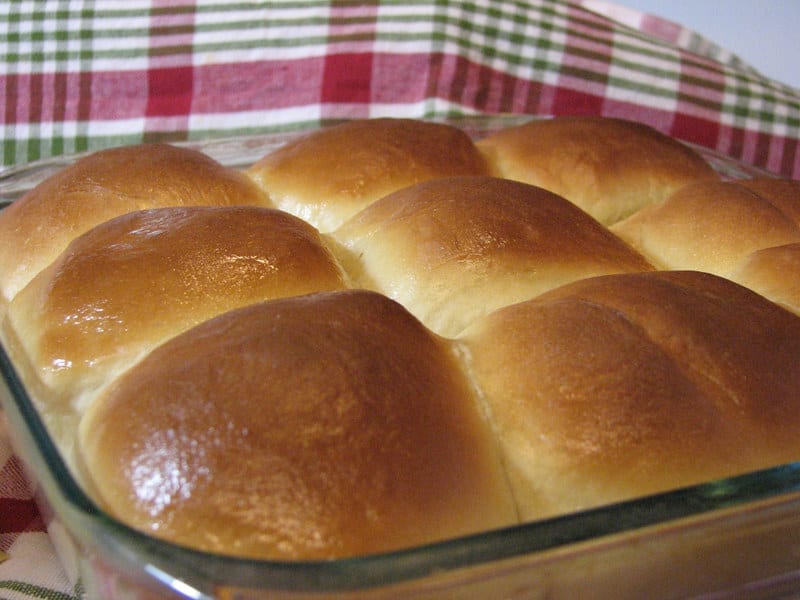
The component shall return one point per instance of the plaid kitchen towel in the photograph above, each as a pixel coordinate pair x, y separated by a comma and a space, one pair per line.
85, 75
79, 76
29, 568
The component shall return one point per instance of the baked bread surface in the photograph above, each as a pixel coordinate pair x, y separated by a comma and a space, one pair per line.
37, 227
327, 176
711, 226
289, 433
386, 334
626, 385
453, 249
130, 283
609, 167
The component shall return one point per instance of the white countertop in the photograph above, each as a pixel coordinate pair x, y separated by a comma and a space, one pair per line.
763, 33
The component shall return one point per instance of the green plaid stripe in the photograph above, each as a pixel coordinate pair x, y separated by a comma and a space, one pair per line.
48, 38
36, 592
51, 39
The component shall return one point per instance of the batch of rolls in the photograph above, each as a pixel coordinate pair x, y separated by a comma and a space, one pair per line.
385, 333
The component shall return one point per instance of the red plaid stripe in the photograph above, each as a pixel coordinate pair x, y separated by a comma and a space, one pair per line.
348, 71
397, 77
257, 86
586, 65
17, 516
170, 76
18, 512
347, 79
661, 28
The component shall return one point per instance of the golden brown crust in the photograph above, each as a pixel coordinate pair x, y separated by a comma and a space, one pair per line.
327, 176
321, 426
623, 385
774, 273
783, 194
130, 283
104, 185
452, 249
608, 167
709, 226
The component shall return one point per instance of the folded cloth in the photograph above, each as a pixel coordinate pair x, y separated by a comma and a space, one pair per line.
29, 567
84, 76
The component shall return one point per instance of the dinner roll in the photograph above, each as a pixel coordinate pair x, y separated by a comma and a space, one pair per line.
105, 184
711, 226
327, 176
624, 385
131, 282
313, 427
784, 194
452, 249
774, 273
609, 167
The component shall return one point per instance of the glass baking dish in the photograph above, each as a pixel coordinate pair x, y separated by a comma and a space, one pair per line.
738, 536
